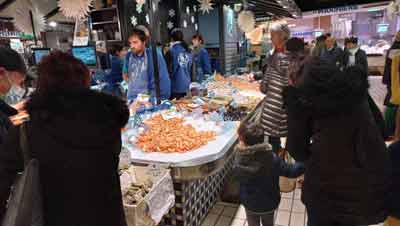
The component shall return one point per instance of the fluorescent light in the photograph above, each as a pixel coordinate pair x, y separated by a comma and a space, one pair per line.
53, 24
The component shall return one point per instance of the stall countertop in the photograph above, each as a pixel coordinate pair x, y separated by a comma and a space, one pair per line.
214, 150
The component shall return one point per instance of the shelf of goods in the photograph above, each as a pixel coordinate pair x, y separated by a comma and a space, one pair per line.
199, 174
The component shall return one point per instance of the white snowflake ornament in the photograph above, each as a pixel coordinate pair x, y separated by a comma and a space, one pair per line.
134, 21
23, 22
205, 6
76, 9
246, 21
196, 27
139, 8
192, 19
194, 8
184, 23
147, 19
170, 25
171, 13
187, 10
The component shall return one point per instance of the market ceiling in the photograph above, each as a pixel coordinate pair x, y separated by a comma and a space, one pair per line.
309, 5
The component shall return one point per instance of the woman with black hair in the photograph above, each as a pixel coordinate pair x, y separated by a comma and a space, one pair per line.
179, 61
331, 129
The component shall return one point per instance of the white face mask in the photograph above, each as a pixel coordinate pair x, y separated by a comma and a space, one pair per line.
15, 94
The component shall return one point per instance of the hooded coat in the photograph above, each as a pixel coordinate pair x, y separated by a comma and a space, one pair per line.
331, 129
76, 137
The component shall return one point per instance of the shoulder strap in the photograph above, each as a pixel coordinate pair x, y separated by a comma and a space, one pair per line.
23, 140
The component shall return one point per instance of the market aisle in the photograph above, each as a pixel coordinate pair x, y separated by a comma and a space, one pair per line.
291, 213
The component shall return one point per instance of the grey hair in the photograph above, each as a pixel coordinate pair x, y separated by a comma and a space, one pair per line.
282, 28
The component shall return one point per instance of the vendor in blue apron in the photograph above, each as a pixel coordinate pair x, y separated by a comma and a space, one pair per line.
138, 68
201, 59
179, 60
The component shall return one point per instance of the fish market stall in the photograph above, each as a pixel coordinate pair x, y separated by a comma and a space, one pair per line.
194, 139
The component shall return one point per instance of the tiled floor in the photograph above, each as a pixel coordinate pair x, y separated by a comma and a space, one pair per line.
291, 212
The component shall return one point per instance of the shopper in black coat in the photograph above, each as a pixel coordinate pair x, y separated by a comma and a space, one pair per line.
75, 133
332, 130
12, 74
354, 56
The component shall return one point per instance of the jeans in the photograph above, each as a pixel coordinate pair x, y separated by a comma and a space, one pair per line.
258, 219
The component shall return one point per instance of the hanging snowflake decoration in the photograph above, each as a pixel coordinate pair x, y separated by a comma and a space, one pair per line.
140, 2
171, 13
184, 23
76, 9
246, 21
187, 10
170, 25
23, 21
196, 27
393, 9
147, 19
205, 6
194, 8
134, 21
139, 8
192, 19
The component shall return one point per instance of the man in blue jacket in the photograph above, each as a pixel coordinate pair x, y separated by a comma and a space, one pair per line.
138, 69
201, 58
180, 62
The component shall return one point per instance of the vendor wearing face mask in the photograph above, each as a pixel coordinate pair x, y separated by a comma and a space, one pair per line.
12, 75
354, 56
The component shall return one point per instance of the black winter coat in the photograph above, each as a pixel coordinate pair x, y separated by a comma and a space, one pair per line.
394, 152
361, 59
5, 112
258, 170
76, 136
335, 134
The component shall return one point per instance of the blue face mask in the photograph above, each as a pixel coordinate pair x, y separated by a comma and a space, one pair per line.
15, 94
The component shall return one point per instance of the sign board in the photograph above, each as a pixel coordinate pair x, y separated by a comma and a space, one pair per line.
81, 33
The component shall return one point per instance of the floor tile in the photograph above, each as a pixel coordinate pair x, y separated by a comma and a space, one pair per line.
238, 222
240, 213
286, 204
229, 211
224, 221
283, 218
287, 195
298, 207
297, 219
229, 204
210, 220
217, 209
297, 194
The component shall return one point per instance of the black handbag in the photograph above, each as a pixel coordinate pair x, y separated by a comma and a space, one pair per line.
24, 207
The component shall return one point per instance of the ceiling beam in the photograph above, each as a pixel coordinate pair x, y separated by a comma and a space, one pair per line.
52, 13
5, 4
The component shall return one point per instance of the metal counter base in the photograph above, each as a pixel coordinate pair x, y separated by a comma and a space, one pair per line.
194, 199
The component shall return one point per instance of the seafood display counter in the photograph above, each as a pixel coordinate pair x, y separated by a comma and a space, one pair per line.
200, 171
